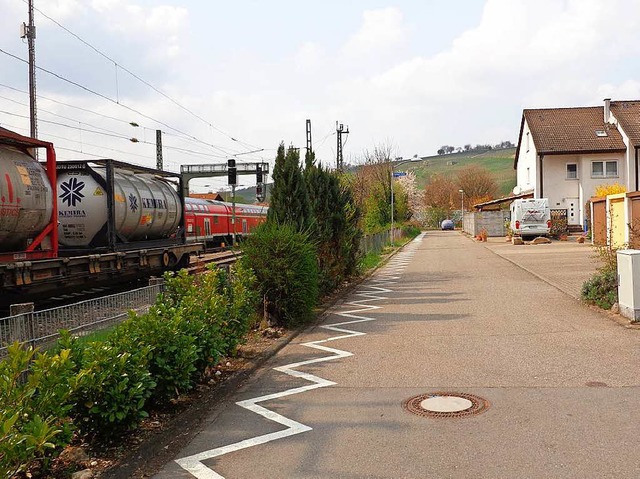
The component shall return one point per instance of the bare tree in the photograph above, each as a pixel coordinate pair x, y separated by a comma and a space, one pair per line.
477, 183
440, 193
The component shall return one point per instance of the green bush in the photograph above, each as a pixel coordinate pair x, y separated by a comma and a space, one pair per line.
34, 404
285, 264
410, 230
602, 288
220, 307
173, 352
112, 386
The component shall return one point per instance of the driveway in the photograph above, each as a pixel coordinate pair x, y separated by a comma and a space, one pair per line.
446, 315
564, 264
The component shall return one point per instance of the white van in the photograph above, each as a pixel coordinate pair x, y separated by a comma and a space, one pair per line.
531, 217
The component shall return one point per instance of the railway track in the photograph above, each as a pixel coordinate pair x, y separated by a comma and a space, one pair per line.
223, 258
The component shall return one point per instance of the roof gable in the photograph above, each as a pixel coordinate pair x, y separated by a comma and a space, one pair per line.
572, 130
628, 115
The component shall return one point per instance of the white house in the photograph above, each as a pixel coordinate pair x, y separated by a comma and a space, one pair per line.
564, 153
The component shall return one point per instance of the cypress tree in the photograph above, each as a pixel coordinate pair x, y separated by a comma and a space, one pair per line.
289, 197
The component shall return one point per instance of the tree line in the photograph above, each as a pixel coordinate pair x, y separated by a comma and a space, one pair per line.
448, 149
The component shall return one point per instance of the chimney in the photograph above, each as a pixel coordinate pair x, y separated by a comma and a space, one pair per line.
607, 109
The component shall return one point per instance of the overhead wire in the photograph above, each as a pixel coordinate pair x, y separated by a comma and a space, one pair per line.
142, 80
87, 110
105, 97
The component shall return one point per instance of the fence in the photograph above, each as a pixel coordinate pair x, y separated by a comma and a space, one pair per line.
559, 222
41, 328
376, 242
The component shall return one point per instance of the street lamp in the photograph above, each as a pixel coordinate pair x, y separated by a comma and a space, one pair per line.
462, 211
412, 160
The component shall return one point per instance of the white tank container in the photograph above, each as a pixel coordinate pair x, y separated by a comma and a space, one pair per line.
25, 199
145, 207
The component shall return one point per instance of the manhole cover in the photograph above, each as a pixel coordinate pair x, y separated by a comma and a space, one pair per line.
446, 404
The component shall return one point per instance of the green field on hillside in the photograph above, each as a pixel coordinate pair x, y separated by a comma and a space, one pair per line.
498, 162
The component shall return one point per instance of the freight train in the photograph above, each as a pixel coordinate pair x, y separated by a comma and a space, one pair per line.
108, 222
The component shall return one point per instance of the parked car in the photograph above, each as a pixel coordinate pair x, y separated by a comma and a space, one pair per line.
446, 225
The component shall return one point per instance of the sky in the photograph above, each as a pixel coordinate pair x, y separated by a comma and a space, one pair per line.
244, 75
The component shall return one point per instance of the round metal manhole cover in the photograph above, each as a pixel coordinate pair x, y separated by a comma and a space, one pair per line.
446, 405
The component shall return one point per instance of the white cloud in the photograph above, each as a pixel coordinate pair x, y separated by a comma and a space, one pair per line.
310, 57
381, 31
61, 10
164, 26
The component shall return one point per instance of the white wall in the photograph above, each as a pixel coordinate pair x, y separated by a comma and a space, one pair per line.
559, 189
527, 158
629, 157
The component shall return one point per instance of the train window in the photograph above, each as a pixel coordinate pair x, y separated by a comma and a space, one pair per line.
207, 226
244, 227
187, 207
215, 219
190, 228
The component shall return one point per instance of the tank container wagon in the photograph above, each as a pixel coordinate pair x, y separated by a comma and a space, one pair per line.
105, 221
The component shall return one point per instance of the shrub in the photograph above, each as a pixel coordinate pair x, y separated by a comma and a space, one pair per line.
219, 306
34, 404
112, 387
602, 288
285, 265
173, 352
410, 230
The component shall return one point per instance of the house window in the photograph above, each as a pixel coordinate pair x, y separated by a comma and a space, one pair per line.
527, 141
572, 171
528, 176
604, 169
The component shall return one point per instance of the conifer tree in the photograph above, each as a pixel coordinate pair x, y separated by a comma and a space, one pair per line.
289, 197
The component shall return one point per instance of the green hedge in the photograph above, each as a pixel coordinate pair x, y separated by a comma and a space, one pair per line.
107, 386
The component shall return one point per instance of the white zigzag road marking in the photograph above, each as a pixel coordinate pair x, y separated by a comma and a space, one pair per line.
194, 464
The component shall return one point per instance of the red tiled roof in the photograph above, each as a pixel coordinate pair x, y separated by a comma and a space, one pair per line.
628, 115
569, 130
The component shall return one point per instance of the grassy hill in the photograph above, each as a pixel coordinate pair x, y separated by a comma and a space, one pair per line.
498, 162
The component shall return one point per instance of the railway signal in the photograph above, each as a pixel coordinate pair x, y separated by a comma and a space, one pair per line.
232, 172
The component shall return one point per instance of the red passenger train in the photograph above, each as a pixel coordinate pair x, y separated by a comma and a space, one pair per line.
211, 222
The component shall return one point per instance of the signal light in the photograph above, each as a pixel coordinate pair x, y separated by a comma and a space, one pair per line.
232, 172
259, 173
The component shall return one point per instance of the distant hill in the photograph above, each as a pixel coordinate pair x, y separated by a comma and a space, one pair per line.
498, 162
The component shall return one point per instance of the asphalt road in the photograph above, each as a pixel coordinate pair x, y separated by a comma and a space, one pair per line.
445, 315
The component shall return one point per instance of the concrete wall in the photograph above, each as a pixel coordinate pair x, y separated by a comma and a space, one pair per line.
492, 221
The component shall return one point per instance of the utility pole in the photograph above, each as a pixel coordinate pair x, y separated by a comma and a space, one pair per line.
29, 32
309, 135
159, 150
339, 131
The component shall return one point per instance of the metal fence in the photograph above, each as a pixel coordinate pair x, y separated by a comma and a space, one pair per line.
41, 328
